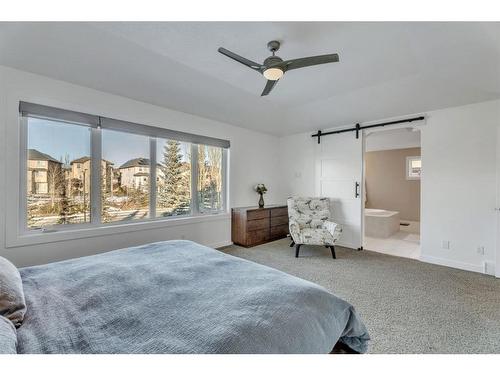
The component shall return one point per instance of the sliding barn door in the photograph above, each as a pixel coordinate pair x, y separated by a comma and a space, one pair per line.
339, 171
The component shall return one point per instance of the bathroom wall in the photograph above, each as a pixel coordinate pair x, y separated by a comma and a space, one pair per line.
386, 183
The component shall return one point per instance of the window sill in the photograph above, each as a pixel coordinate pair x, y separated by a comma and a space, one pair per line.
38, 237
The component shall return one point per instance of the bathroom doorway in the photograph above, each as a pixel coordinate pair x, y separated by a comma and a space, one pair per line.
391, 198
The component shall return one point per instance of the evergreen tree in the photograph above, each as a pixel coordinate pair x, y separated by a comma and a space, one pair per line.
173, 190
68, 209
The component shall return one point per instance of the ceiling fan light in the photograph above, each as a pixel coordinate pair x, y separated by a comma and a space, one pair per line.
273, 74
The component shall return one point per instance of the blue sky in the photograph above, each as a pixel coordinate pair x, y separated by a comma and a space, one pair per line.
59, 139
118, 147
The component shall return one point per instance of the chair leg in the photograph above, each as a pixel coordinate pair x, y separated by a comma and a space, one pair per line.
332, 248
292, 244
297, 248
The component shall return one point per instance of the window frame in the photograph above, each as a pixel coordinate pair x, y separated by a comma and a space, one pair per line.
96, 223
409, 159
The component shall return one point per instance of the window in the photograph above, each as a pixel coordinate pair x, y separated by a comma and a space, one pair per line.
55, 195
413, 167
123, 157
89, 170
209, 178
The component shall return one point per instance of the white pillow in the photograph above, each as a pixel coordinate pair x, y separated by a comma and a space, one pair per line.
8, 337
12, 303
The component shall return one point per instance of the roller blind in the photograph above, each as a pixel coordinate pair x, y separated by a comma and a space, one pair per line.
42, 111
153, 131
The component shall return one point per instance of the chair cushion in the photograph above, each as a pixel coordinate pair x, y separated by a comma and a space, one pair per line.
316, 236
309, 212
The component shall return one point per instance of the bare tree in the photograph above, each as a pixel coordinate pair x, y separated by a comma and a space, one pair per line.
209, 176
55, 180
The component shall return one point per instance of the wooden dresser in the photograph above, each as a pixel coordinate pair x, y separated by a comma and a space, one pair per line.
252, 226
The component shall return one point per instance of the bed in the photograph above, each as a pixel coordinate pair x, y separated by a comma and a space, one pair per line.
175, 297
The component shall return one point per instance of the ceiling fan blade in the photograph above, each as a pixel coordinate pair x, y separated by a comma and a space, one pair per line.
309, 61
269, 86
251, 64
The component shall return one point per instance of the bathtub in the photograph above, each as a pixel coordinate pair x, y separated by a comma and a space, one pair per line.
381, 223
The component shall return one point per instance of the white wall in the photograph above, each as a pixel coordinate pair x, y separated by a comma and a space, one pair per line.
298, 164
459, 167
459, 147
392, 139
253, 159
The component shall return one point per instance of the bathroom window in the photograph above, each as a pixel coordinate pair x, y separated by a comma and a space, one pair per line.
413, 167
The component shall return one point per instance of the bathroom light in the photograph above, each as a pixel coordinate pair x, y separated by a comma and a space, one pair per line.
273, 74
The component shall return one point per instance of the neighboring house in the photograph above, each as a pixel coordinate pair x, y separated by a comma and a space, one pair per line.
44, 172
134, 174
79, 175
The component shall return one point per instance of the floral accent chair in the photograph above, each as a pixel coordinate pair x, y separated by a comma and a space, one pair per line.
309, 222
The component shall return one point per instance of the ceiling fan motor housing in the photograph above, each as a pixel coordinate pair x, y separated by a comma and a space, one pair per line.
272, 60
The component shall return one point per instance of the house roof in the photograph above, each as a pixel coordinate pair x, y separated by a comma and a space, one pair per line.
37, 155
81, 160
137, 162
86, 158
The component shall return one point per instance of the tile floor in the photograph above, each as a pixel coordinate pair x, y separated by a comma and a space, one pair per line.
405, 243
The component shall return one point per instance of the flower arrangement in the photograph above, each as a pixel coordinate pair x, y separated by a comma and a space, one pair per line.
261, 190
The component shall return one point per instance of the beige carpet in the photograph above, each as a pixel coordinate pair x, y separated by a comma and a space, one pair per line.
408, 306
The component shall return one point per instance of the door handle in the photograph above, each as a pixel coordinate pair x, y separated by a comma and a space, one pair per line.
356, 189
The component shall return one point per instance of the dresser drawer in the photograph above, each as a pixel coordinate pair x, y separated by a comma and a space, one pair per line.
279, 231
257, 214
257, 237
282, 211
259, 224
279, 220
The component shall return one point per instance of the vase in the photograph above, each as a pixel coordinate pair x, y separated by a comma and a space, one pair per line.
261, 201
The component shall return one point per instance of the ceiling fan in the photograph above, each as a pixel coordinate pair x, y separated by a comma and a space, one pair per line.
274, 67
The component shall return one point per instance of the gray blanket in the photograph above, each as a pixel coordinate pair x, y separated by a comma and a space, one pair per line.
179, 297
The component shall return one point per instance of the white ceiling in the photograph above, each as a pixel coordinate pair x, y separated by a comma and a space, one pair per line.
386, 69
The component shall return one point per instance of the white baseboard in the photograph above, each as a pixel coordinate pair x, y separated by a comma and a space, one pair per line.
346, 245
453, 264
220, 244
